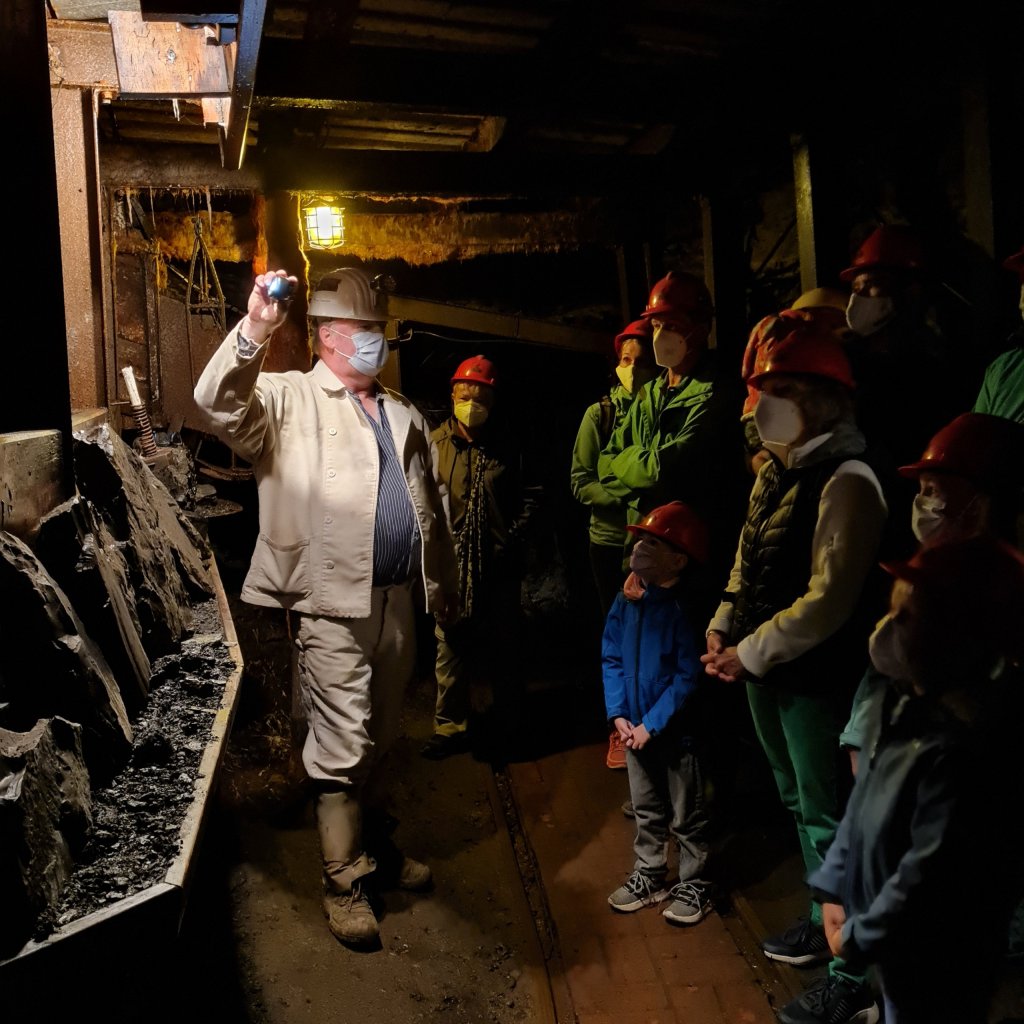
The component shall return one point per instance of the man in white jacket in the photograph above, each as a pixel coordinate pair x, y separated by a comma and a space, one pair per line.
351, 524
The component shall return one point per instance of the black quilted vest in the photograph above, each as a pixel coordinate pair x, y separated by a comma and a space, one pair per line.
775, 552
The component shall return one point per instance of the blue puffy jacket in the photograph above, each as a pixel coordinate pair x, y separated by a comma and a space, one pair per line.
650, 660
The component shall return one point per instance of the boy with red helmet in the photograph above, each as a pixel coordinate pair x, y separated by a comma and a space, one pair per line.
651, 681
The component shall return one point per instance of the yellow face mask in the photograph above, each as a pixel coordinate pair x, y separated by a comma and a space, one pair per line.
470, 414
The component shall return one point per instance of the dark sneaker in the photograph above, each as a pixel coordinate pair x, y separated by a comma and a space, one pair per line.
832, 1000
691, 903
802, 945
438, 747
639, 890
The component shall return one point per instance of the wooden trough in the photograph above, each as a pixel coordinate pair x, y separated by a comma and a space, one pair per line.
103, 942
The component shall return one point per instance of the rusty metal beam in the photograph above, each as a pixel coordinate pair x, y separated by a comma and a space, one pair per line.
81, 55
235, 135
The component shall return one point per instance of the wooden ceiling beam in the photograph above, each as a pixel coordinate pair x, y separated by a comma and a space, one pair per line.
389, 173
385, 172
497, 84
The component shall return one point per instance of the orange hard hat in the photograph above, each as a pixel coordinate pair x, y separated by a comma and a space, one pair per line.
478, 369
678, 524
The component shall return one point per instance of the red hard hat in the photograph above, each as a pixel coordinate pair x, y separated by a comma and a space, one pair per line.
679, 525
640, 329
478, 369
1015, 264
680, 293
777, 326
984, 449
891, 246
978, 582
810, 349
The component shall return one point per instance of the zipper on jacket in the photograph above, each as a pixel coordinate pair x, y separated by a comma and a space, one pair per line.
636, 667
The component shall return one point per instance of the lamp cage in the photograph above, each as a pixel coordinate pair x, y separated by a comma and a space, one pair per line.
324, 224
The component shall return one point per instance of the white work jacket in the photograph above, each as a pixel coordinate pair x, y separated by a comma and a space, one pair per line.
316, 463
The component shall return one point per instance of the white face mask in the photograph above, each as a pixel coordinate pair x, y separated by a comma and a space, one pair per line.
654, 564
927, 516
779, 421
470, 413
866, 314
371, 354
670, 347
632, 378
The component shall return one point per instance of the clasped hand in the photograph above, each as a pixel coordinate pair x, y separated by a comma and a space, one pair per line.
634, 737
722, 662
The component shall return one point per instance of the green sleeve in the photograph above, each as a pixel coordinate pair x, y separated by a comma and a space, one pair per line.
652, 455
619, 451
583, 478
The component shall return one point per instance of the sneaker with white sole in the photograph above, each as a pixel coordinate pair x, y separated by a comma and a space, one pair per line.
691, 903
639, 890
832, 1000
802, 945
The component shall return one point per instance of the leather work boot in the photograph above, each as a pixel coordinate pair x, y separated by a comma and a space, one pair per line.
394, 868
350, 915
414, 876
347, 905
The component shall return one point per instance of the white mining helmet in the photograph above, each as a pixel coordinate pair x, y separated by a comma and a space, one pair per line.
346, 294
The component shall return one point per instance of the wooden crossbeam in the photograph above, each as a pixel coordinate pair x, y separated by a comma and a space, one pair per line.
167, 60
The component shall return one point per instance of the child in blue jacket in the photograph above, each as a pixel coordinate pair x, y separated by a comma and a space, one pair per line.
651, 673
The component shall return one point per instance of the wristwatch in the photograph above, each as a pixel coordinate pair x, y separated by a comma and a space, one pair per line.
246, 346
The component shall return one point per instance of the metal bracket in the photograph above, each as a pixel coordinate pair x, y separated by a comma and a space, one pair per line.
203, 293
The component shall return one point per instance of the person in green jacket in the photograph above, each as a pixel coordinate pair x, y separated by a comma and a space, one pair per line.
680, 440
608, 536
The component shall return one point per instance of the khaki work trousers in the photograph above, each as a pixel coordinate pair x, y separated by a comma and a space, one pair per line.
353, 675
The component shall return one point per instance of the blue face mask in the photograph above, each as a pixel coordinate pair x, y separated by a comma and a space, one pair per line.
371, 354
